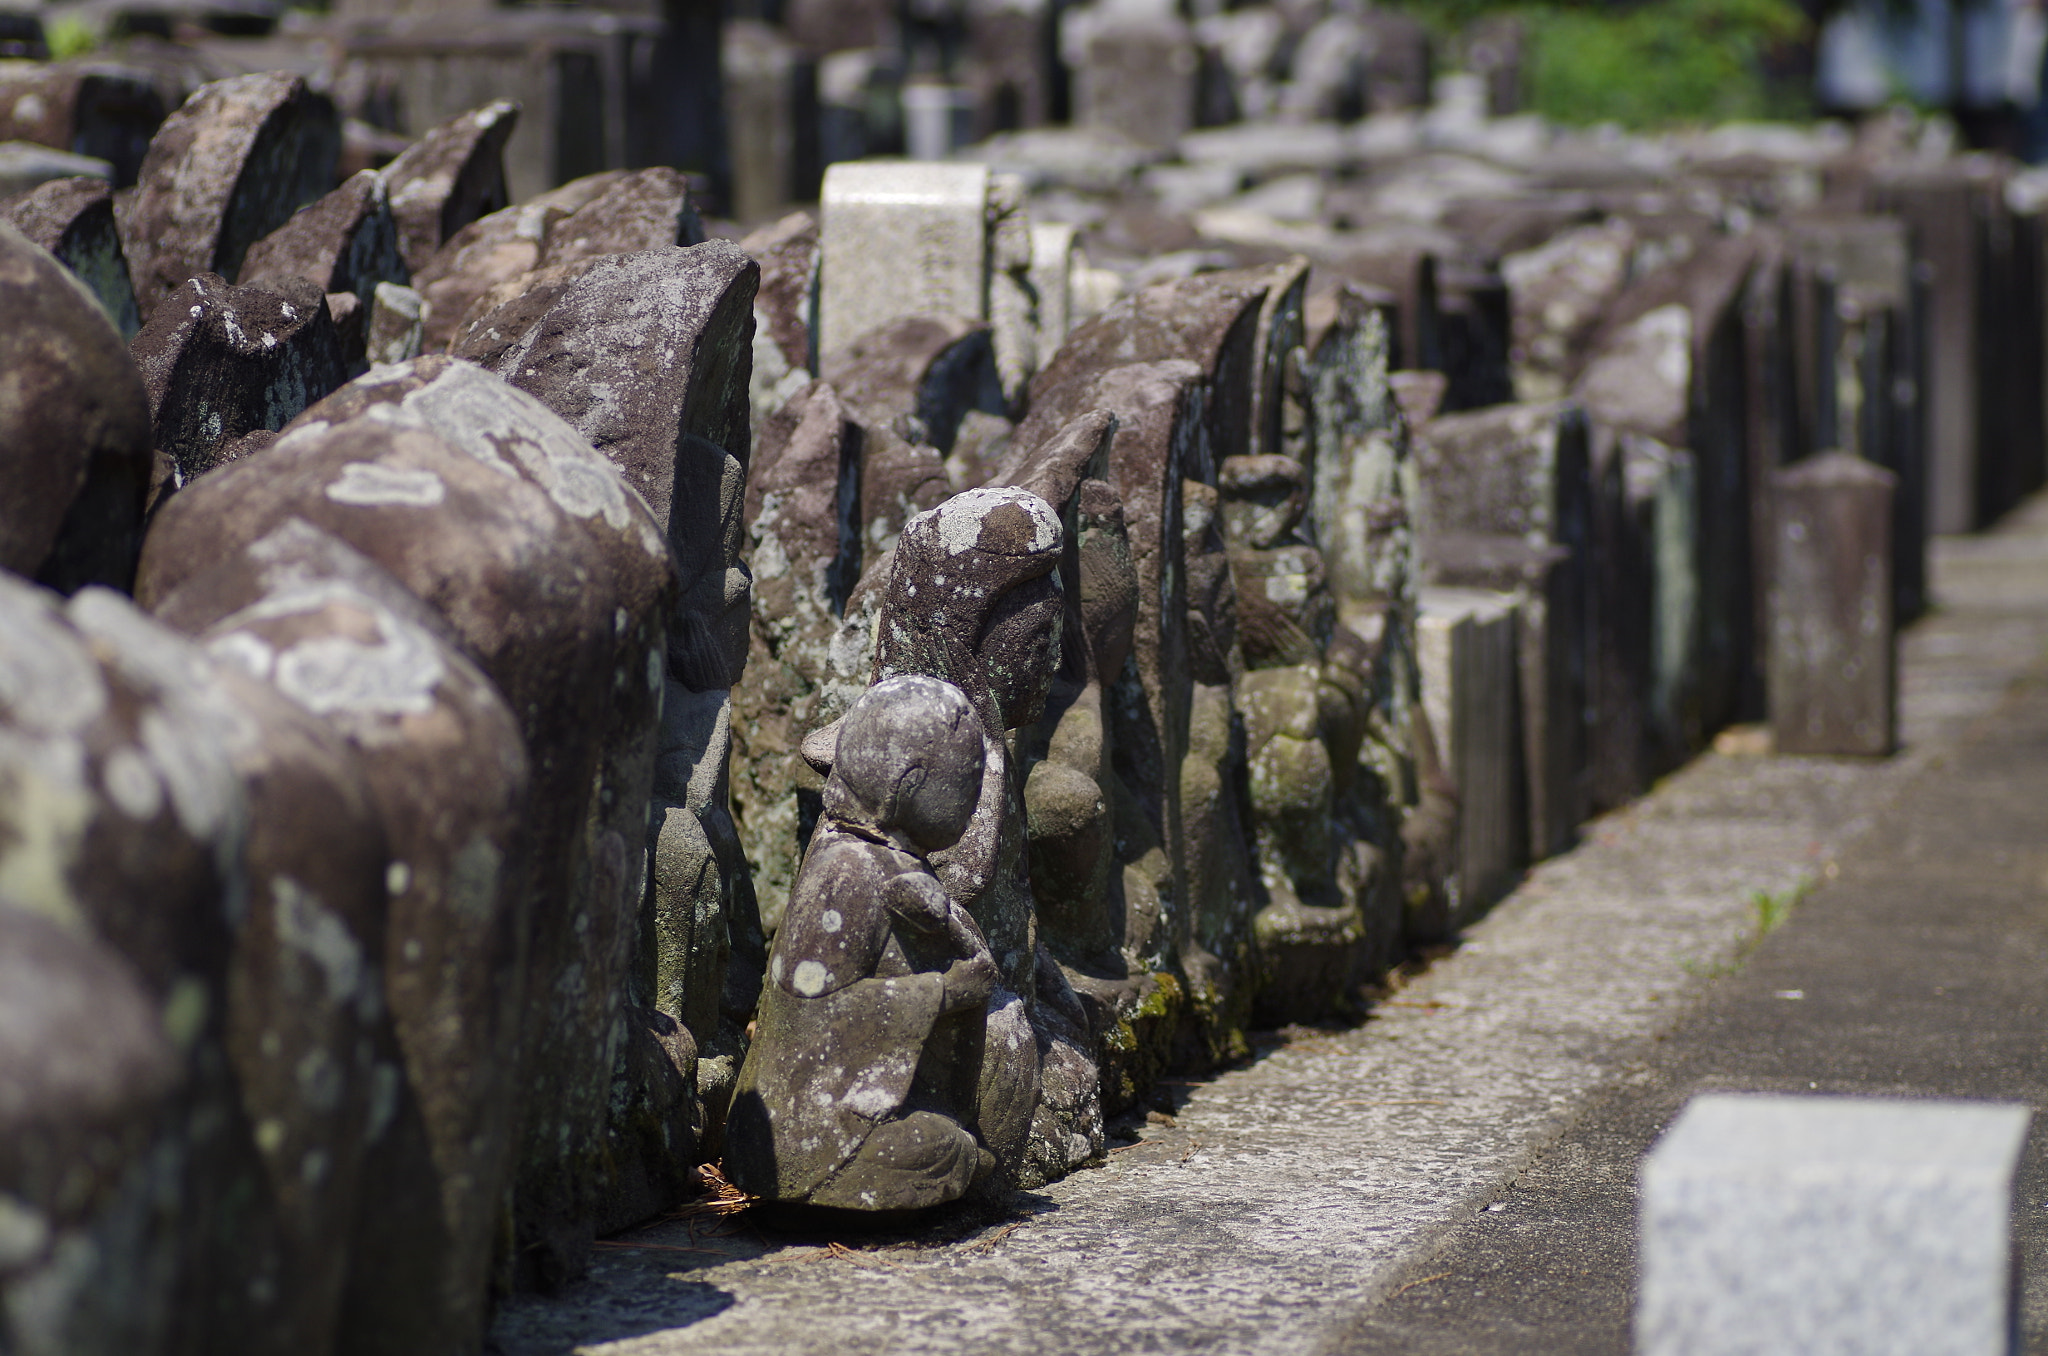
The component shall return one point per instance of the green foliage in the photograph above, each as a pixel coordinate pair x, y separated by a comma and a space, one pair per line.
1641, 63
70, 37
1667, 61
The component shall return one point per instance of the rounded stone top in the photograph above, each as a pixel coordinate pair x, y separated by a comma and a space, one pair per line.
1000, 521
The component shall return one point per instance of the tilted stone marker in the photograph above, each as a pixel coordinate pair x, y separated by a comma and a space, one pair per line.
1833, 663
1829, 1224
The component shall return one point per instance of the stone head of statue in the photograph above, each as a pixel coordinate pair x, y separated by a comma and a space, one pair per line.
975, 598
909, 761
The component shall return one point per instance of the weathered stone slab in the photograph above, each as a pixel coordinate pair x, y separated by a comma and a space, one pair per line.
1160, 443
70, 718
1833, 659
1467, 646
74, 220
304, 1025
345, 242
1520, 474
447, 770
74, 429
225, 170
934, 369
535, 580
1782, 1223
1669, 366
648, 209
1857, 296
451, 176
1211, 319
495, 249
396, 328
81, 1113
220, 362
676, 428
785, 309
1560, 291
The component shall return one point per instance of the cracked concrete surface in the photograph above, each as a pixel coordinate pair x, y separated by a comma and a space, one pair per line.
1289, 1194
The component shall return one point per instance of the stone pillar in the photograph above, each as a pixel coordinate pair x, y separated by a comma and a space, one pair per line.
1833, 666
1830, 1224
1948, 206
771, 107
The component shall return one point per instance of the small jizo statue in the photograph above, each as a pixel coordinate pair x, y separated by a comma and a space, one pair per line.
863, 1088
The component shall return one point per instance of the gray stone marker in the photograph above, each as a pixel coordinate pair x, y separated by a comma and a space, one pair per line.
1829, 1224
1136, 68
1466, 642
1833, 664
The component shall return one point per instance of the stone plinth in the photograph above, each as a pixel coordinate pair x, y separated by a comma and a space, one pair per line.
1829, 1224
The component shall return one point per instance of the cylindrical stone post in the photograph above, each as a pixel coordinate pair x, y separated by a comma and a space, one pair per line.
1833, 679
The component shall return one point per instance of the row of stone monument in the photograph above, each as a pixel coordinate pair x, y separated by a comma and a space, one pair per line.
504, 702
451, 796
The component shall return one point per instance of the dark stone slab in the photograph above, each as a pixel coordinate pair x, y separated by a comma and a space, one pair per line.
451, 176
225, 170
74, 429
74, 220
220, 362
345, 242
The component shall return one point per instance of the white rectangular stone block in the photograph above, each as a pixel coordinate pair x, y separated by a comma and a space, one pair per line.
1467, 647
901, 238
1819, 1225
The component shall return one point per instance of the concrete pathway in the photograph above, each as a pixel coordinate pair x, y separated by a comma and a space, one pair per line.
1339, 1193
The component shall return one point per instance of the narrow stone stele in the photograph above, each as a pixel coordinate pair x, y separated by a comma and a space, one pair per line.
1775, 1224
1833, 664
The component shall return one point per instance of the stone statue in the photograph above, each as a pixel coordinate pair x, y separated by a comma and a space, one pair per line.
865, 1086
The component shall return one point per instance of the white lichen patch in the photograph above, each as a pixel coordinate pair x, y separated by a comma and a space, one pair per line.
371, 484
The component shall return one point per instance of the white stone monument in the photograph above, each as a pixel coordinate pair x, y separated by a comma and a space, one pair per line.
901, 238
